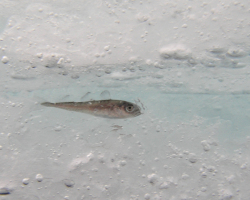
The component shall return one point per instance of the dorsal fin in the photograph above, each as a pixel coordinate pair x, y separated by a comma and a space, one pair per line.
85, 97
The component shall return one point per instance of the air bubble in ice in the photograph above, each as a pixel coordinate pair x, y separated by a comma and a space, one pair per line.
235, 52
5, 60
108, 71
204, 174
147, 196
185, 176
216, 49
152, 178
240, 65
39, 177
192, 158
60, 61
39, 55
58, 128
158, 128
106, 48
69, 183
149, 62
164, 185
210, 168
243, 166
225, 194
177, 52
26, 181
90, 156
230, 179
206, 145
123, 163
141, 17
75, 76
4, 191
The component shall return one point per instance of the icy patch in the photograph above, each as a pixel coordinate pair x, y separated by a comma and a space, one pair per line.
76, 163
236, 52
175, 51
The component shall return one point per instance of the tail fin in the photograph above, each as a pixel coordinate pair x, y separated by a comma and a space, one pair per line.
48, 104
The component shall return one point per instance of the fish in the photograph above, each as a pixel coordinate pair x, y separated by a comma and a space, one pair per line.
114, 109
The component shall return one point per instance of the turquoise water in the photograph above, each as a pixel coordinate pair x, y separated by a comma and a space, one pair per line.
165, 145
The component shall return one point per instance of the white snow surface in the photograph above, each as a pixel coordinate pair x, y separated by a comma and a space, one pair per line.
186, 61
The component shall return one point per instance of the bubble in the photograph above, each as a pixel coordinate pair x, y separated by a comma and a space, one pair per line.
185, 176
240, 65
217, 49
235, 52
4, 191
158, 128
225, 194
108, 71
26, 181
90, 156
106, 48
243, 166
206, 145
152, 178
60, 61
75, 76
184, 26
39, 177
58, 128
5, 60
69, 182
142, 18
177, 52
97, 55
192, 158
210, 168
204, 174
147, 196
164, 185
123, 163
39, 55
230, 179
149, 62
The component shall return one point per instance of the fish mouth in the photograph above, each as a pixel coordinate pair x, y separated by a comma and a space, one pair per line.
137, 113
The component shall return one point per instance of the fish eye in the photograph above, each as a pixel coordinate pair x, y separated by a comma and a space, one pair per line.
129, 108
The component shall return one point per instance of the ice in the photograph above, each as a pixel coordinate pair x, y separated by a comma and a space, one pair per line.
186, 63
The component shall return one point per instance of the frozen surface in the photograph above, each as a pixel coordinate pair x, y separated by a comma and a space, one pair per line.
187, 62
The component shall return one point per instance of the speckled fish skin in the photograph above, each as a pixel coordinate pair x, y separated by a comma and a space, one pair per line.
116, 109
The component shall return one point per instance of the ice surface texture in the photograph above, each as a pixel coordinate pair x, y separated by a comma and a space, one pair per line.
186, 61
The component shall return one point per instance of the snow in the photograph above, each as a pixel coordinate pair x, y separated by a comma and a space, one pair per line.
187, 62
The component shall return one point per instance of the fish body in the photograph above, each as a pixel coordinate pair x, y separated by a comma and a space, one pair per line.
104, 108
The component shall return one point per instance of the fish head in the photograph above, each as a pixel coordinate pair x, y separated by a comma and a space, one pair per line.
130, 109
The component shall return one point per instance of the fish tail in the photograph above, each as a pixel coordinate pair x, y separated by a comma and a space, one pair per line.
48, 104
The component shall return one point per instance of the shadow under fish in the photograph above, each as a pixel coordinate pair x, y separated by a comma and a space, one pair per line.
115, 109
